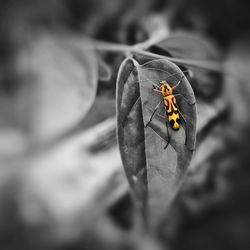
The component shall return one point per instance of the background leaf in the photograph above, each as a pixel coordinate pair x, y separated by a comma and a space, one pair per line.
191, 46
60, 79
104, 71
63, 195
156, 28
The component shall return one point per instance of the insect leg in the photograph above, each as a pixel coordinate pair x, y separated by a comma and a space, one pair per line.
168, 134
155, 109
190, 103
169, 75
186, 132
157, 80
176, 85
168, 141
154, 86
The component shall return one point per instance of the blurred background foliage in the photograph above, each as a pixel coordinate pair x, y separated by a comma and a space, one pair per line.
62, 184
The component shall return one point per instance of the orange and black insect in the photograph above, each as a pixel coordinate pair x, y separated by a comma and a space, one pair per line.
170, 104
173, 113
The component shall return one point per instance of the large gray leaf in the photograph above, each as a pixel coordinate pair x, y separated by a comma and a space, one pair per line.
131, 129
104, 71
143, 150
189, 45
60, 79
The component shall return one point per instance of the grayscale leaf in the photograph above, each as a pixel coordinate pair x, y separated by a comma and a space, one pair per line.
104, 71
157, 29
131, 130
164, 167
60, 77
189, 46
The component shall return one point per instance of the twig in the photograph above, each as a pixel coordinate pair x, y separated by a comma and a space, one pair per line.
201, 64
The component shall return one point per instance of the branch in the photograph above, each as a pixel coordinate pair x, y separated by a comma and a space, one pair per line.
127, 49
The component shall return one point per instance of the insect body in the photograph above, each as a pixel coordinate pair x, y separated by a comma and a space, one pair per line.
170, 104
172, 111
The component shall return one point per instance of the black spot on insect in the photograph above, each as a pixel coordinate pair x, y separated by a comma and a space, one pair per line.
176, 111
170, 113
178, 120
174, 105
172, 123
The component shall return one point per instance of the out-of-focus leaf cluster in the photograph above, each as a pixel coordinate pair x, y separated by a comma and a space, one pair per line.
72, 194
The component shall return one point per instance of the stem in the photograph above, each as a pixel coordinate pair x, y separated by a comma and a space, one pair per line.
112, 47
206, 65
201, 64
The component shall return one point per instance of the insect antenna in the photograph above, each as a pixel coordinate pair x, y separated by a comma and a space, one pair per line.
162, 70
184, 71
157, 80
